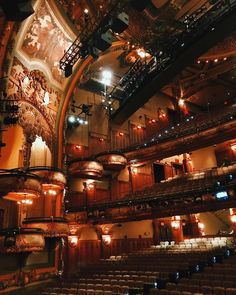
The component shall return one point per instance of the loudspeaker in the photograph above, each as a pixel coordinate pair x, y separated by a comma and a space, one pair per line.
139, 5
68, 70
104, 41
94, 52
17, 10
120, 23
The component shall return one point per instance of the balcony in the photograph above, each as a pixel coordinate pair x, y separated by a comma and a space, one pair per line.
52, 227
16, 240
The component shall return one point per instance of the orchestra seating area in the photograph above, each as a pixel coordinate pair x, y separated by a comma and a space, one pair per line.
167, 268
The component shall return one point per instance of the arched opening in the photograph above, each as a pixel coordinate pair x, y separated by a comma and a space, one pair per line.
40, 153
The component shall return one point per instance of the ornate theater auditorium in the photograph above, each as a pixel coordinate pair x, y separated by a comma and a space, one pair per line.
117, 147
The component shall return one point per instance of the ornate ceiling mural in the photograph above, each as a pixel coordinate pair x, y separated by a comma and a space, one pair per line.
45, 40
37, 115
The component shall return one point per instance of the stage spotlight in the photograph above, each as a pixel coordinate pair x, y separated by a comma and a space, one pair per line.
71, 119
106, 77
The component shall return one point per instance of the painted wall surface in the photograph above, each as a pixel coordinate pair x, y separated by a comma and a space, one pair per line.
204, 158
10, 214
133, 230
88, 233
11, 155
215, 222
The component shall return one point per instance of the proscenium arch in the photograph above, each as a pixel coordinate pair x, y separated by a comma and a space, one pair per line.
58, 151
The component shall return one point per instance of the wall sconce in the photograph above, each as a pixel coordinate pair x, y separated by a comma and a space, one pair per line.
90, 186
73, 241
106, 239
175, 223
233, 218
232, 215
233, 147
134, 170
201, 226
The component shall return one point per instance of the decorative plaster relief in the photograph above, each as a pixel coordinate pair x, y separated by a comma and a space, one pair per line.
44, 40
29, 88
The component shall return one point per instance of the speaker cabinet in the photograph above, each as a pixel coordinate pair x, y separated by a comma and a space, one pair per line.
68, 70
120, 23
104, 41
16, 10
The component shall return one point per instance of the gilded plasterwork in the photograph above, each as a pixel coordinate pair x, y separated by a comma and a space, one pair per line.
45, 41
35, 116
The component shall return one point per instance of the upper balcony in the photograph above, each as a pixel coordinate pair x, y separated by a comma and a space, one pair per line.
204, 190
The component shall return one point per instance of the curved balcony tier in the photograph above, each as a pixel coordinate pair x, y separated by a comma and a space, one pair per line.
88, 168
53, 227
113, 162
19, 185
51, 178
21, 240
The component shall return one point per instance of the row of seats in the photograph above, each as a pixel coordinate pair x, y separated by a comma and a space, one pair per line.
189, 182
119, 275
215, 291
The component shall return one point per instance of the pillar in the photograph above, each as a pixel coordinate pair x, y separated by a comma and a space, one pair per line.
177, 229
194, 225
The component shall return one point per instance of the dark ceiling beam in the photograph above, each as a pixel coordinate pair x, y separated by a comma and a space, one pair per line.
192, 106
226, 83
210, 73
154, 83
184, 144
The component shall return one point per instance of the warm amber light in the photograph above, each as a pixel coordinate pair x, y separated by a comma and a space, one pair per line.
233, 147
106, 239
175, 224
233, 218
134, 170
73, 241
181, 102
25, 202
201, 225
90, 186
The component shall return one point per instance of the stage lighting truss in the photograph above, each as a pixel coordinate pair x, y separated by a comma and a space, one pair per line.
166, 48
94, 36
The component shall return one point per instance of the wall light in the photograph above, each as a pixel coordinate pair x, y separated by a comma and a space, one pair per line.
233, 147
106, 239
73, 241
181, 102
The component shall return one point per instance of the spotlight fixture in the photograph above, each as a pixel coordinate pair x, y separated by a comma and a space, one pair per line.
106, 77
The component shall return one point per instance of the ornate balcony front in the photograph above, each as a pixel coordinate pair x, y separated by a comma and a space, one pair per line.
113, 162
51, 178
21, 240
18, 185
87, 168
52, 227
